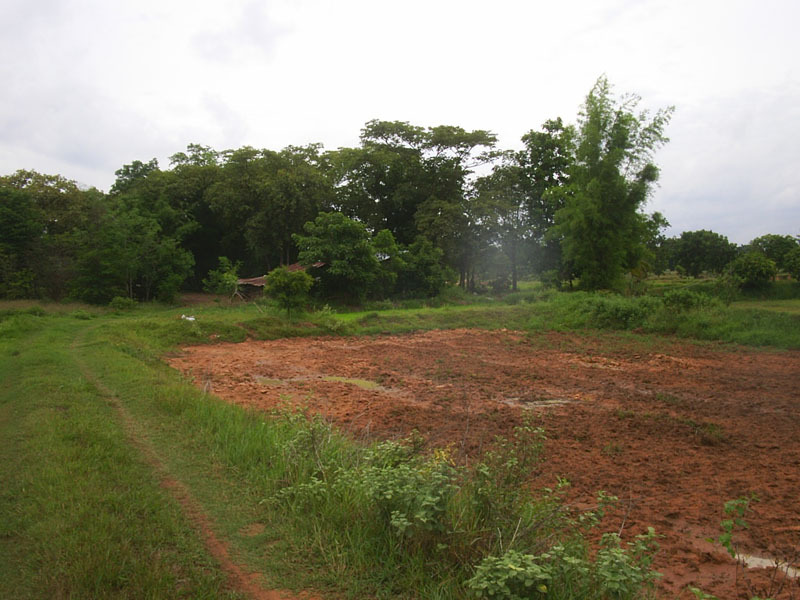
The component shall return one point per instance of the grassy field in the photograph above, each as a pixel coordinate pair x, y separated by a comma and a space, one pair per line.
96, 433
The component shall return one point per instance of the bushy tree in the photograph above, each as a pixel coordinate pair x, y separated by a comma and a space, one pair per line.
792, 263
703, 250
600, 225
349, 263
289, 288
753, 270
774, 247
423, 272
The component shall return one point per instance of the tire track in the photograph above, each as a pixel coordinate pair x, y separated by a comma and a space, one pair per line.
239, 580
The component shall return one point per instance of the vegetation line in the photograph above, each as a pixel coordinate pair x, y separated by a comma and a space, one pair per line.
238, 579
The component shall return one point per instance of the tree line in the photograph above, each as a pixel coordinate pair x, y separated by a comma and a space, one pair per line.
407, 211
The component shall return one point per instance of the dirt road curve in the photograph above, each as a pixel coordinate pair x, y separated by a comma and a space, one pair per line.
673, 429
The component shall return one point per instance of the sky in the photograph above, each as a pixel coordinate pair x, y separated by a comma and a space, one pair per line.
91, 85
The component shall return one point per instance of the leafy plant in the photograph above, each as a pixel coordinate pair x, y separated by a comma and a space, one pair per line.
121, 303
288, 288
224, 279
753, 270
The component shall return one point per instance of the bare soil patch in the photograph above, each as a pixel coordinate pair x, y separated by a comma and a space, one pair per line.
673, 429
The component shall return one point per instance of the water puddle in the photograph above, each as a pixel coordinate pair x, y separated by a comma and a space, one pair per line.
269, 381
362, 383
759, 562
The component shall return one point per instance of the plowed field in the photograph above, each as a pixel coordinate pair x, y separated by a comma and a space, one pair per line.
673, 429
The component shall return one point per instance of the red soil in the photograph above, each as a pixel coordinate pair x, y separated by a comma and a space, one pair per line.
673, 429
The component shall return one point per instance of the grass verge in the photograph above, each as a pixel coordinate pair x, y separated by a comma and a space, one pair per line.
82, 515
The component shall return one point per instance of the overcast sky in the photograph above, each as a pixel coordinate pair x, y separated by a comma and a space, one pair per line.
91, 85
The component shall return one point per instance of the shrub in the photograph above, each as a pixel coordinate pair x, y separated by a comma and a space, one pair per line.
121, 303
616, 312
682, 300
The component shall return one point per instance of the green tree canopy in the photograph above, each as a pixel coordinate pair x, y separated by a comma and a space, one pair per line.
775, 247
344, 247
703, 250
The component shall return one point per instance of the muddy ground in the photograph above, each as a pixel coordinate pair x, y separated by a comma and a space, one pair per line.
673, 429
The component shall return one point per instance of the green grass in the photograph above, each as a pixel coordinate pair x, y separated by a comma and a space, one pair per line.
82, 515
791, 307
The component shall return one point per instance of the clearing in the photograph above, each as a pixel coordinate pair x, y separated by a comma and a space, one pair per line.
674, 429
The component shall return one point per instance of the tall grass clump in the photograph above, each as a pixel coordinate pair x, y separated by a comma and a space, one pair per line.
680, 311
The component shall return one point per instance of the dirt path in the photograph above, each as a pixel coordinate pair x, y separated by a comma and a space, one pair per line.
239, 579
673, 430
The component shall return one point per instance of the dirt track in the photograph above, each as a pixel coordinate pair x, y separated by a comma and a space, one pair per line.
673, 429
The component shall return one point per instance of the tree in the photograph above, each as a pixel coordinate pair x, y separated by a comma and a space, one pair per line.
703, 250
413, 180
264, 197
343, 246
131, 175
503, 196
774, 247
600, 226
753, 270
65, 214
545, 164
288, 288
792, 263
21, 226
422, 272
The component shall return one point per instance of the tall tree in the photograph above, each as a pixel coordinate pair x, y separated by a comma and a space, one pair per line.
264, 197
545, 163
413, 180
65, 212
613, 173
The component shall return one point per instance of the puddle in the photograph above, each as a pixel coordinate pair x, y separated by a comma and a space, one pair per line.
269, 381
535, 403
758, 562
362, 383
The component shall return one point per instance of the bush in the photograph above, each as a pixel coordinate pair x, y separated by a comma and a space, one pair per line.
617, 312
224, 279
121, 303
682, 300
753, 270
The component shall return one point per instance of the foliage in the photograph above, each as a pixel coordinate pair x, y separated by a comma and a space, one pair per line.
703, 250
683, 300
289, 288
753, 270
792, 263
734, 512
224, 279
776, 248
121, 303
344, 247
565, 571
600, 226
422, 272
